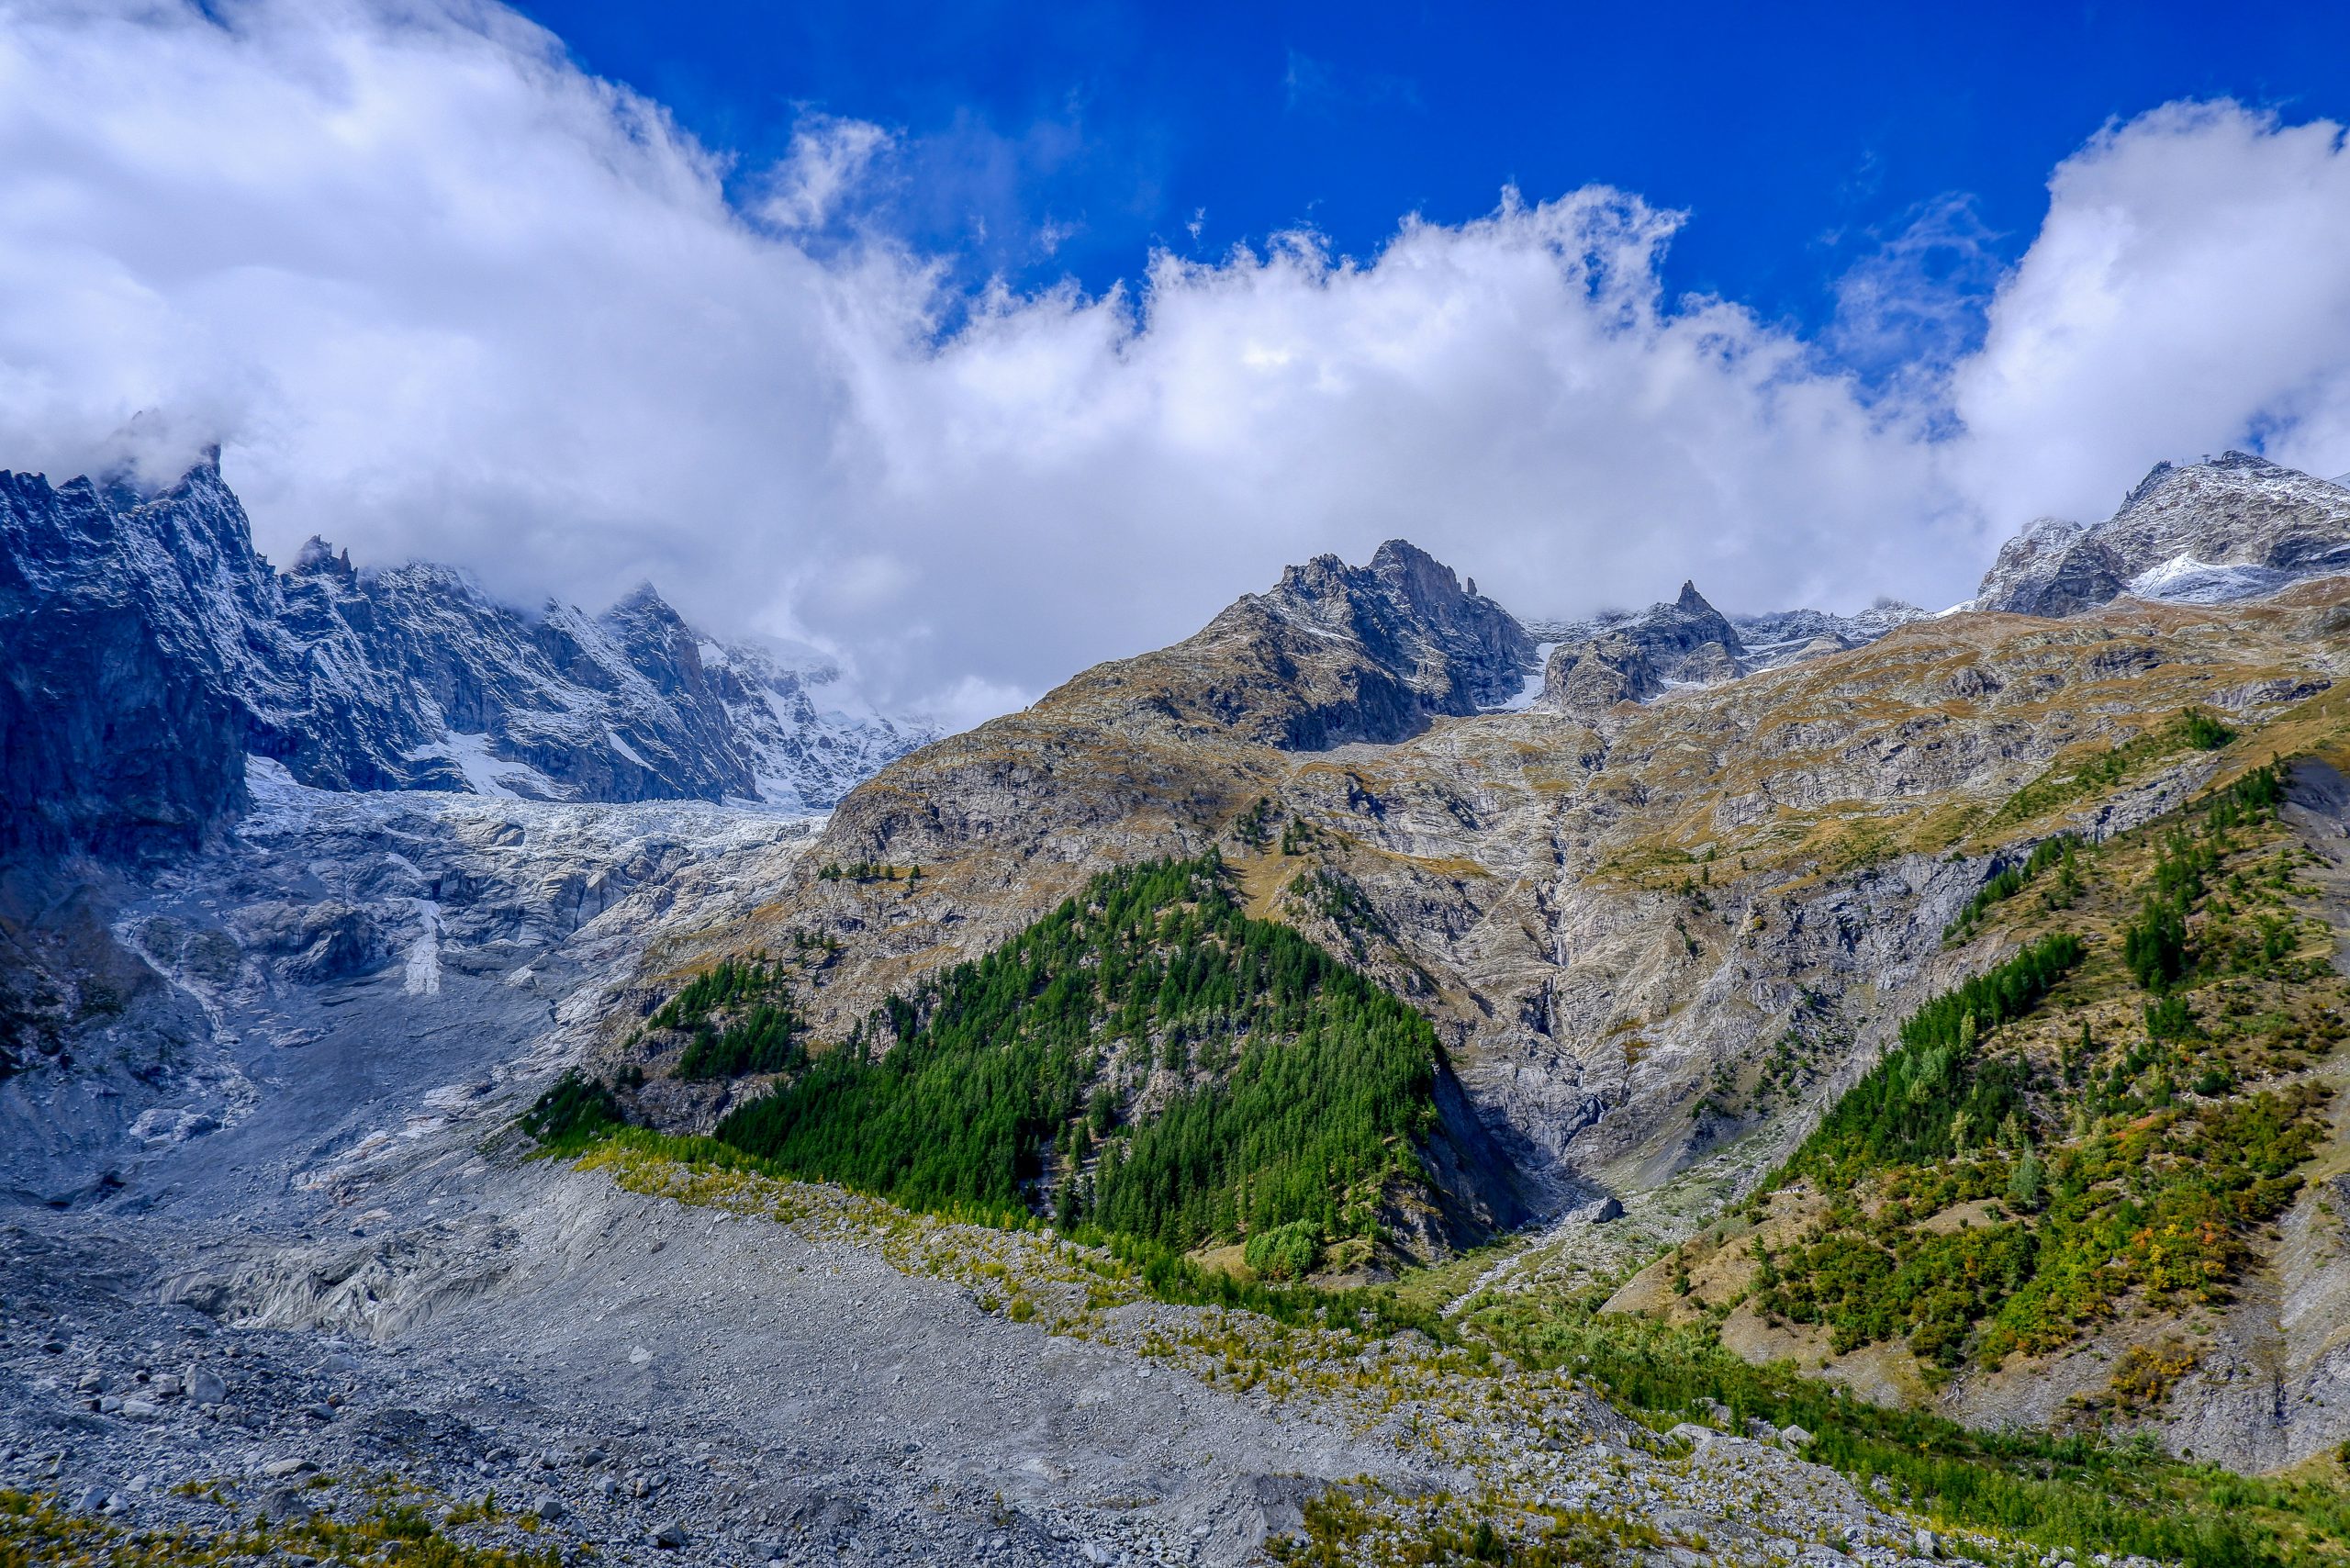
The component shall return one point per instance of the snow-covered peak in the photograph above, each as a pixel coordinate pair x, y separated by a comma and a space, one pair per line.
407, 678
2230, 527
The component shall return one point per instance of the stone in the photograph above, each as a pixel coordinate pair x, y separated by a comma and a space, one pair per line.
1794, 1437
1926, 1543
205, 1386
672, 1537
547, 1505
278, 1468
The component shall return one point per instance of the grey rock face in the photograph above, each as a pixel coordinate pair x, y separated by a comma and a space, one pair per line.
2235, 527
117, 729
1688, 642
1443, 649
151, 650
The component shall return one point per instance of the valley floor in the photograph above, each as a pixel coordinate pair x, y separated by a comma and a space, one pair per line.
789, 1371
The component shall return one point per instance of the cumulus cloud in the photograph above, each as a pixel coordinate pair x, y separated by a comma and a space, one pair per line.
2185, 291
440, 294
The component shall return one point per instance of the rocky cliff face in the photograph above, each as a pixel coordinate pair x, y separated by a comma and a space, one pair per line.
117, 727
153, 651
2231, 528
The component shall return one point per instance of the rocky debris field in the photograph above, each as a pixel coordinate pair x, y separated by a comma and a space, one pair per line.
682, 1365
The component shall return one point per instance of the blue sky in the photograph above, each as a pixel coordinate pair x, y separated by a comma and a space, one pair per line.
884, 328
1051, 141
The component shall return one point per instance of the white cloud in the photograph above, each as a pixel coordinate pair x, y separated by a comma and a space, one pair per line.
2185, 291
440, 294
829, 156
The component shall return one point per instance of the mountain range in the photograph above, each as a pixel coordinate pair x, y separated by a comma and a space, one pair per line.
1596, 984
153, 650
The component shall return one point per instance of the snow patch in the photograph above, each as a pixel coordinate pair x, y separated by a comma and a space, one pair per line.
2183, 579
496, 777
625, 749
423, 975
1531, 692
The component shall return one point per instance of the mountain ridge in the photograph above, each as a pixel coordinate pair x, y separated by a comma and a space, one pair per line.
2237, 526
400, 677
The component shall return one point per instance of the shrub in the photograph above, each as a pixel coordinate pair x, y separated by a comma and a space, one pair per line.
1286, 1252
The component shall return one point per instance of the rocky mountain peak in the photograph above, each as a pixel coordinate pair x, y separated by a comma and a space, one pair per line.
318, 558
1418, 579
1409, 613
2147, 485
1633, 658
2233, 527
642, 605
201, 656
